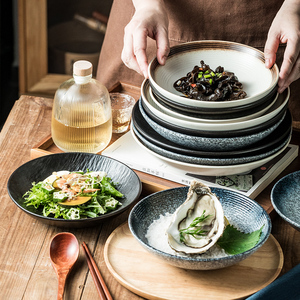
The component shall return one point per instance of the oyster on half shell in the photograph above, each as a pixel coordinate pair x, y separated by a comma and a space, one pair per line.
198, 223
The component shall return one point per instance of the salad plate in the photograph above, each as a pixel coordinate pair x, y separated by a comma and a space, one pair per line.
22, 179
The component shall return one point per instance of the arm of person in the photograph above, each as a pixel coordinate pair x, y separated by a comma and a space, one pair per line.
149, 20
285, 29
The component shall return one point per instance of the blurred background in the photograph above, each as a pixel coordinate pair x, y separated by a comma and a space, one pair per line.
40, 41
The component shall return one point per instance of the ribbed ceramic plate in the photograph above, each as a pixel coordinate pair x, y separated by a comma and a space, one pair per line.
40, 168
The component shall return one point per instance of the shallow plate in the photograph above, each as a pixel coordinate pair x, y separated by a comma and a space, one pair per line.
285, 197
38, 169
184, 127
163, 110
192, 120
272, 141
246, 62
207, 142
218, 112
210, 170
212, 161
148, 276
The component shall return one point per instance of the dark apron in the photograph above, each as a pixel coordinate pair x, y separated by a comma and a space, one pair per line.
240, 21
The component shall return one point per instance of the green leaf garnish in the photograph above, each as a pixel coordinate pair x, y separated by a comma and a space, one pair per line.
234, 241
195, 228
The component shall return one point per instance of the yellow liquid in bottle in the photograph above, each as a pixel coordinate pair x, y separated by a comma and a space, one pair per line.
84, 127
81, 139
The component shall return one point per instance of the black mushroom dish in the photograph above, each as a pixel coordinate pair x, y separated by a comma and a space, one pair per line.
204, 84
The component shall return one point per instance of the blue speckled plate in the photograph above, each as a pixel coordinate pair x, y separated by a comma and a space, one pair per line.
285, 197
213, 161
271, 142
240, 211
204, 143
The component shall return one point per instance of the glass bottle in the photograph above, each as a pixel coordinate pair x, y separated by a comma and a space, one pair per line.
81, 116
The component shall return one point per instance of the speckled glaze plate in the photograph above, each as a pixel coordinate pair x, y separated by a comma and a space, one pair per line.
285, 197
213, 161
182, 126
206, 143
40, 168
274, 140
211, 170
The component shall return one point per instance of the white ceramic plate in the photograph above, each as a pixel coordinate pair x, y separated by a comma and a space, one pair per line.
199, 124
246, 62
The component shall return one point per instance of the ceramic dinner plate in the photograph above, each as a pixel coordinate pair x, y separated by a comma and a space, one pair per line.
184, 128
225, 110
162, 108
209, 160
246, 62
271, 142
212, 170
35, 170
224, 141
285, 197
201, 122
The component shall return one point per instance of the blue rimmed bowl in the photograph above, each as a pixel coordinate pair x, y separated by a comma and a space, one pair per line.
285, 198
241, 211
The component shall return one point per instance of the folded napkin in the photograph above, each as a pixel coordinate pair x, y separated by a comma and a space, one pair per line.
286, 287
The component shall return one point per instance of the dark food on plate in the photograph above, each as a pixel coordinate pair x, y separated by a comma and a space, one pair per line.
204, 84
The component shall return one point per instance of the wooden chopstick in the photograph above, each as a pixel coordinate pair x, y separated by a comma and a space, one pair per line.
97, 277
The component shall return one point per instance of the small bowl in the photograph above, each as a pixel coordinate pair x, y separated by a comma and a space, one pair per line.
40, 168
240, 211
207, 142
246, 62
285, 198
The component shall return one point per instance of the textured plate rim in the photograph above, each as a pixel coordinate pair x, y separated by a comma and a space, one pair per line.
61, 220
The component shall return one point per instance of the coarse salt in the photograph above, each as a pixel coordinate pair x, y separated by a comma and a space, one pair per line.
158, 239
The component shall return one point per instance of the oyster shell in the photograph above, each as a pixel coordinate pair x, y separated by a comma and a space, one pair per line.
189, 238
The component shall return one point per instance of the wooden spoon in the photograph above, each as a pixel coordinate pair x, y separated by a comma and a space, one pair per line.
64, 250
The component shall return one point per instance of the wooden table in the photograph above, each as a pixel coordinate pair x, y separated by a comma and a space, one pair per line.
26, 272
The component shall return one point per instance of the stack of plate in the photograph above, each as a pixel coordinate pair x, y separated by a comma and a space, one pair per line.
243, 133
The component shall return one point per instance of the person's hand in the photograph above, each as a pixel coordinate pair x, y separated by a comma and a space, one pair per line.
150, 20
285, 29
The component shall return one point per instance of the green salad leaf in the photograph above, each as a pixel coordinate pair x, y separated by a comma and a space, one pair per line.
103, 199
234, 241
